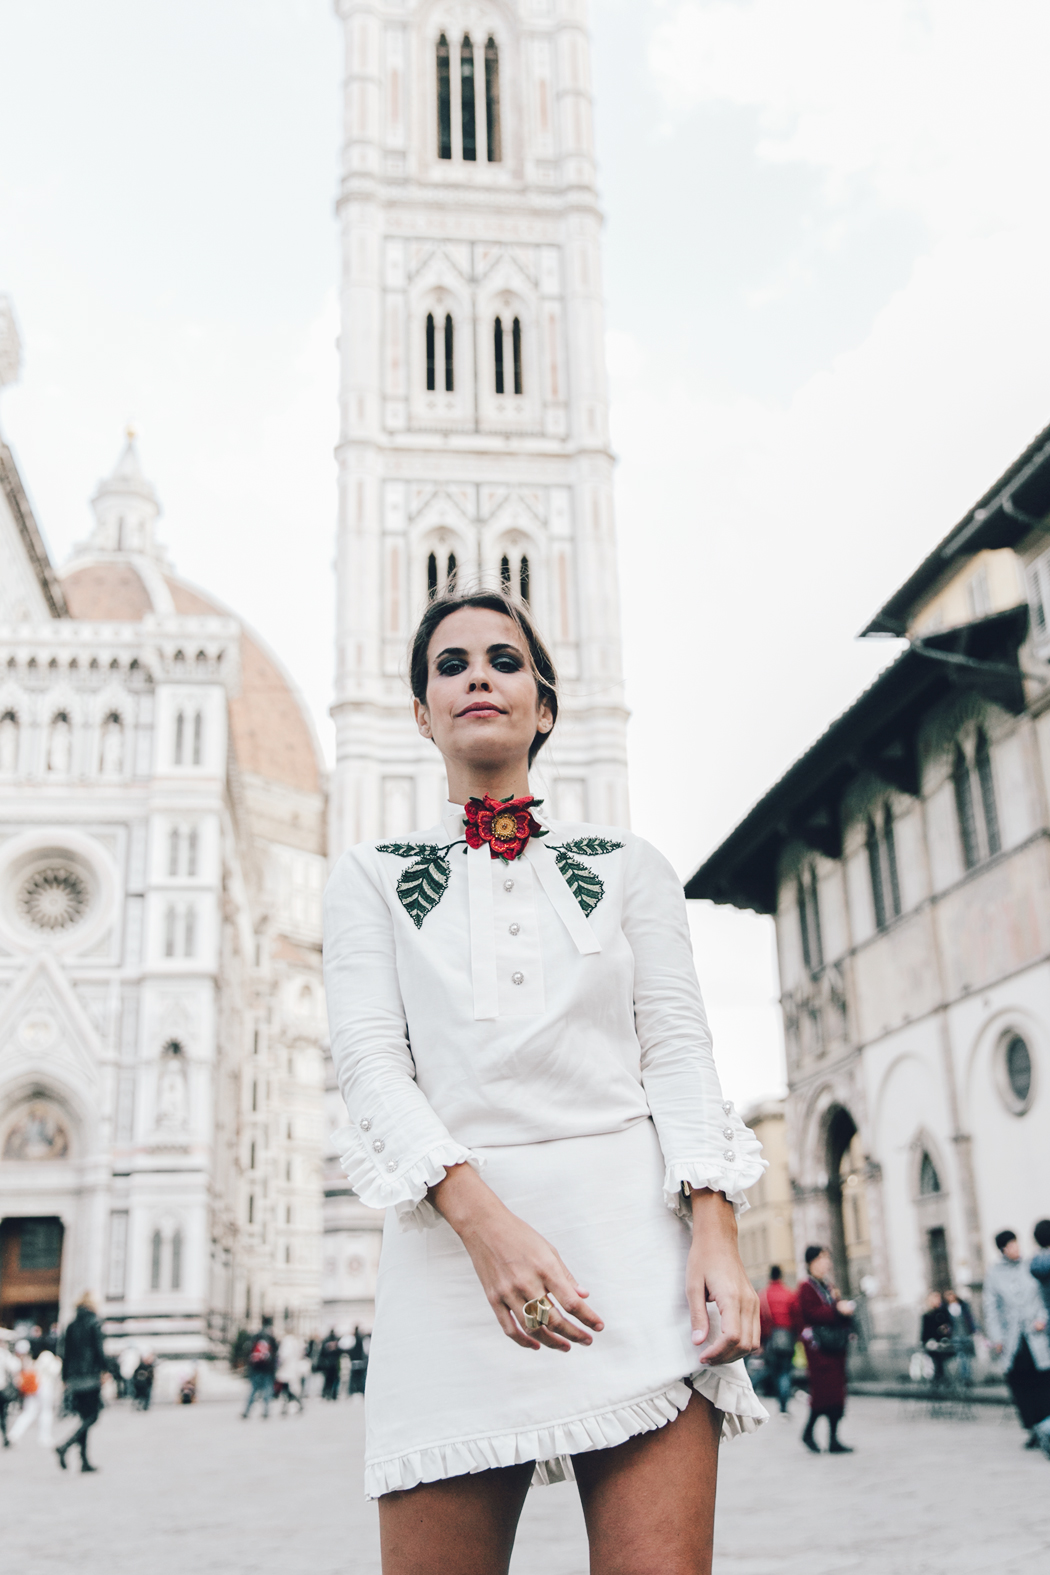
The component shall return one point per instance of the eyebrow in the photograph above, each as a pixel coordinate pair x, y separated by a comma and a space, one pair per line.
493, 650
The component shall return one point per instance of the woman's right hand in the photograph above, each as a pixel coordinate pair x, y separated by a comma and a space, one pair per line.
514, 1263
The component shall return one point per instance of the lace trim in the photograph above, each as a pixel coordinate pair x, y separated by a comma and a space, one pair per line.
552, 1447
732, 1180
406, 1190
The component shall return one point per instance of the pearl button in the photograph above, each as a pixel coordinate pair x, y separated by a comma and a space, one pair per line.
508, 885
391, 1164
515, 928
729, 1154
366, 1125
517, 978
727, 1132
379, 1145
728, 1107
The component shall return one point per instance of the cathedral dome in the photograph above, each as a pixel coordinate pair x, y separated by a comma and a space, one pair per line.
271, 731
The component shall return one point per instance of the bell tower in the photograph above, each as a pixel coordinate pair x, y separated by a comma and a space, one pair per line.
474, 416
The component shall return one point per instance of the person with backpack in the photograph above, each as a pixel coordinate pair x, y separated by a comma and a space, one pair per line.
777, 1311
262, 1365
826, 1321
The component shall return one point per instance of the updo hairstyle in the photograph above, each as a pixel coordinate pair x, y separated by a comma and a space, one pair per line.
543, 669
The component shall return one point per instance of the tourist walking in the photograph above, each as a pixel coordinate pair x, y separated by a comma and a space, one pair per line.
358, 1364
1015, 1322
328, 1360
825, 1320
522, 1047
83, 1363
262, 1367
1040, 1264
778, 1313
39, 1390
290, 1373
10, 1367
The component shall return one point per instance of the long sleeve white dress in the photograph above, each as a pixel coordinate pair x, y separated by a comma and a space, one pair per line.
541, 1020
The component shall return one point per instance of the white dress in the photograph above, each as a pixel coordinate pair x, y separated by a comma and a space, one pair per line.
540, 1020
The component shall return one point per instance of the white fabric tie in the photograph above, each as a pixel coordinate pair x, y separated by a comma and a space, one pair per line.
482, 932
562, 900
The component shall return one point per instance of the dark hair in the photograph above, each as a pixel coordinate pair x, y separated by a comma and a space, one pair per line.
1042, 1234
812, 1253
775, 1272
543, 669
1004, 1238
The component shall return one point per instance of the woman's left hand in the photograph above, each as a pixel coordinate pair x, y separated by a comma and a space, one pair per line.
715, 1274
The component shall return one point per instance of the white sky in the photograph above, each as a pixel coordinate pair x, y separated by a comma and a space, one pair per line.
827, 328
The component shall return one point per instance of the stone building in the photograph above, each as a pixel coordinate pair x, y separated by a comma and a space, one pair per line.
766, 1230
474, 440
162, 1029
905, 858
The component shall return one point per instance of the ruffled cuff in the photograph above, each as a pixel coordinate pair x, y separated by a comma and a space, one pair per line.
732, 1177
407, 1190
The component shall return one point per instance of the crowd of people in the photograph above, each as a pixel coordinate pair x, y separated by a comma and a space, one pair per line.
811, 1327
281, 1369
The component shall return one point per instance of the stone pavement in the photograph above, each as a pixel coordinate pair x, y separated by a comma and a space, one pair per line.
195, 1489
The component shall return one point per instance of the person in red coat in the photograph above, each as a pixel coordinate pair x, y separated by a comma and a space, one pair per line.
776, 1306
825, 1321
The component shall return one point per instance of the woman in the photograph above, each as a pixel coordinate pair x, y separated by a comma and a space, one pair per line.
1015, 1321
825, 1320
522, 1047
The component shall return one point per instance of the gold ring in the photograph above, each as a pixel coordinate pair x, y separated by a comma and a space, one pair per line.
537, 1313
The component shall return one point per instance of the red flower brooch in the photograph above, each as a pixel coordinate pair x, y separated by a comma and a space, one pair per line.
505, 825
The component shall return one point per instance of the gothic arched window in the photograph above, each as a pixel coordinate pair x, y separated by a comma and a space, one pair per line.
169, 933
176, 1261
444, 100
516, 337
929, 1181
498, 346
191, 853
875, 867
432, 575
154, 1268
111, 754
431, 381
964, 809
173, 851
504, 572
60, 745
448, 354
890, 843
492, 125
523, 578
189, 937
198, 728
466, 91
986, 782
450, 577
809, 920
180, 734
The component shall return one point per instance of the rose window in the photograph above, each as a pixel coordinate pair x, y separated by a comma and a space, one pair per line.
53, 898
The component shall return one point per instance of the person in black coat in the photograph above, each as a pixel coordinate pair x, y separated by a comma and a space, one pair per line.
937, 1334
83, 1363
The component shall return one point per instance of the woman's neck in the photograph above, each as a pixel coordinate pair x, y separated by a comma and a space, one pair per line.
467, 782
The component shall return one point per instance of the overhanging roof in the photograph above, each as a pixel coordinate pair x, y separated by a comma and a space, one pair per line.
1017, 503
878, 733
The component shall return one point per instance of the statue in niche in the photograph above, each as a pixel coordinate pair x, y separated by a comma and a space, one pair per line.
172, 1096
112, 752
60, 745
8, 744
37, 1134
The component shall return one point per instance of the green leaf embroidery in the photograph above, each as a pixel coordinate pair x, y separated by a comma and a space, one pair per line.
590, 847
587, 887
421, 886
409, 850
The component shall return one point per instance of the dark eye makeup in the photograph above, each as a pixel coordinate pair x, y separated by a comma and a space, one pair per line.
505, 660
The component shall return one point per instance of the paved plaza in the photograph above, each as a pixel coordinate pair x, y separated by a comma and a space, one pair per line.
196, 1489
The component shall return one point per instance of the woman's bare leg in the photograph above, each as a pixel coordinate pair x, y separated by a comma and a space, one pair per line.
461, 1526
649, 1504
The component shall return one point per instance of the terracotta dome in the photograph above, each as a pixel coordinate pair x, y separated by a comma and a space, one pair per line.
271, 735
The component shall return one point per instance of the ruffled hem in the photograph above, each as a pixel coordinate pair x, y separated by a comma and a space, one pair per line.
698, 1174
407, 1191
550, 1449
